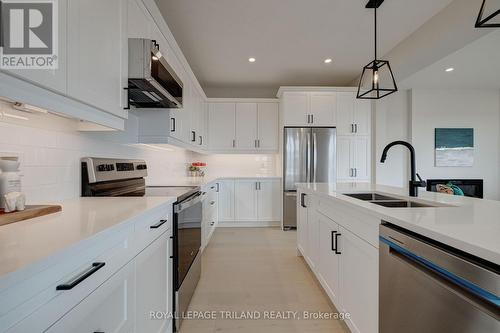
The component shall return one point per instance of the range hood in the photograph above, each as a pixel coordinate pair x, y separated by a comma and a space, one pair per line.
152, 82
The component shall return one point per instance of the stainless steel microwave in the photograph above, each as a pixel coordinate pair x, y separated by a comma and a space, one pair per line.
152, 81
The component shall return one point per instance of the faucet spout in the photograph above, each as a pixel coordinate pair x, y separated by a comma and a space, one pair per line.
414, 184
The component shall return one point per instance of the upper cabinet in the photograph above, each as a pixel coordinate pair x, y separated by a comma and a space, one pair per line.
98, 49
353, 115
309, 108
241, 126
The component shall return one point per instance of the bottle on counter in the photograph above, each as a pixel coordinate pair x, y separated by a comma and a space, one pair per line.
10, 177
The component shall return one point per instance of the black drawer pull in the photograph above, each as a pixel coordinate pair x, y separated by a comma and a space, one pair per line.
81, 277
159, 224
337, 235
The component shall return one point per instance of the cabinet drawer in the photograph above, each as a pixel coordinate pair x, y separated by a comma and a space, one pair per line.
363, 225
151, 227
76, 285
108, 309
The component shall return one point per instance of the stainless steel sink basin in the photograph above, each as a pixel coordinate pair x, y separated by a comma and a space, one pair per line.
403, 204
369, 196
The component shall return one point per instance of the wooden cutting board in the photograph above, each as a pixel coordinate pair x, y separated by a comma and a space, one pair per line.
30, 212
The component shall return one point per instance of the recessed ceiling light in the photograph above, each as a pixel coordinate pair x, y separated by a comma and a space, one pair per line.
451, 69
327, 61
251, 59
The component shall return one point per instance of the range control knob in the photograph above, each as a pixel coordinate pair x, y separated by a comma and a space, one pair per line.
101, 167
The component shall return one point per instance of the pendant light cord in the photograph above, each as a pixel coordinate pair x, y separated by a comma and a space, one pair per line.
375, 35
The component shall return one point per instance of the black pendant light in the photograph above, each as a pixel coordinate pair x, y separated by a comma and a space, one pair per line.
489, 16
376, 80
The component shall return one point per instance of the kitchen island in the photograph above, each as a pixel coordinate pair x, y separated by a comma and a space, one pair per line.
338, 236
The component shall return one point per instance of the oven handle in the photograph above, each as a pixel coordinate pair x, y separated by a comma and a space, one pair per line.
193, 200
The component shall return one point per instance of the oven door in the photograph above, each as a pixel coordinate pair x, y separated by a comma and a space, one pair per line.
187, 234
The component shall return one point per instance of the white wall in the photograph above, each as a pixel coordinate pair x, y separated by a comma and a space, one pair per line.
392, 115
239, 165
479, 109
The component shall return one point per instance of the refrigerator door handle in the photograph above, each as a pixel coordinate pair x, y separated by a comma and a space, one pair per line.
315, 157
308, 159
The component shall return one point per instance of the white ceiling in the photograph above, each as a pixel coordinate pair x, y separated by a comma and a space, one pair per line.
476, 66
289, 38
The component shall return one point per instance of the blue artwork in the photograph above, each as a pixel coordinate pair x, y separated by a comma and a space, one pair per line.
454, 147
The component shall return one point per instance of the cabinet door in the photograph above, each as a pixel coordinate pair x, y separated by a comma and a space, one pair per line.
246, 126
359, 281
323, 108
110, 308
313, 237
295, 108
302, 226
226, 200
53, 79
221, 126
152, 270
245, 200
98, 53
362, 116
269, 200
361, 157
139, 22
345, 111
344, 165
268, 127
328, 258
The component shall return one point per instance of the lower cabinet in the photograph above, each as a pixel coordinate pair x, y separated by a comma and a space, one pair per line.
110, 308
329, 258
359, 281
153, 269
345, 264
226, 200
257, 201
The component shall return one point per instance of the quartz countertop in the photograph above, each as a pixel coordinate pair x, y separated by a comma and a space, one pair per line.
468, 224
26, 242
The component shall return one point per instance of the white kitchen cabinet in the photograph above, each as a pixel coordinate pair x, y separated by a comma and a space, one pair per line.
245, 200
353, 115
329, 256
268, 200
302, 225
139, 22
246, 126
153, 269
295, 108
110, 308
226, 200
309, 108
267, 125
323, 107
359, 281
312, 248
54, 79
353, 158
98, 53
221, 126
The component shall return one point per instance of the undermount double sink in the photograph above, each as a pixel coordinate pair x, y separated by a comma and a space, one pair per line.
390, 202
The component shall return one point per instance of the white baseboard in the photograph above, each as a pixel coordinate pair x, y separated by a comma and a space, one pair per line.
247, 224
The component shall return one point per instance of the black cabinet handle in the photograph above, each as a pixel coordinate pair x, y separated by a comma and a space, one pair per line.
201, 140
172, 125
127, 107
217, 187
302, 202
335, 236
193, 136
159, 224
81, 277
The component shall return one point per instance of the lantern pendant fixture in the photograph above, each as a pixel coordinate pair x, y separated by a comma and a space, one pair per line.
492, 20
377, 79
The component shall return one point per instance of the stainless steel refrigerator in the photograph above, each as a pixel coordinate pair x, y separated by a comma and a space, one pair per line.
308, 157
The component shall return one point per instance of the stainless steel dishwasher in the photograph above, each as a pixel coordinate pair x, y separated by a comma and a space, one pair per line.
426, 286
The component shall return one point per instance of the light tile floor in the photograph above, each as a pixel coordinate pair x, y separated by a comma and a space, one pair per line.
257, 269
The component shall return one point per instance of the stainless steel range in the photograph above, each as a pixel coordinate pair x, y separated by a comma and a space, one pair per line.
103, 177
